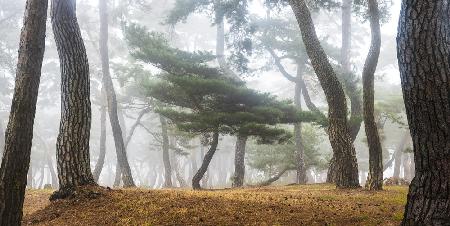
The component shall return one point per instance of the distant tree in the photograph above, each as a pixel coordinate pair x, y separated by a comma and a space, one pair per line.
275, 160
375, 178
346, 167
424, 62
212, 103
73, 140
19, 135
122, 159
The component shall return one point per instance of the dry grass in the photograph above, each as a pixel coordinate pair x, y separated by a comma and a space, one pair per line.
290, 205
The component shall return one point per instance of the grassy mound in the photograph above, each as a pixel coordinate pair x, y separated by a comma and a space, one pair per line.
290, 205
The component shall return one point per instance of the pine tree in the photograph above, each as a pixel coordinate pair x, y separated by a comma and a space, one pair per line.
206, 102
19, 135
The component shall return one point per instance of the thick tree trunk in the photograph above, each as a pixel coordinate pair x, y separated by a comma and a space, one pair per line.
206, 160
239, 161
166, 154
346, 167
375, 177
101, 157
351, 86
300, 150
19, 135
72, 148
124, 165
424, 62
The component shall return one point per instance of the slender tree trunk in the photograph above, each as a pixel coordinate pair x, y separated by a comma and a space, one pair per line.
220, 48
52, 171
166, 154
239, 161
206, 160
30, 177
2, 140
300, 149
19, 135
124, 165
101, 157
375, 177
424, 62
398, 155
72, 148
274, 178
206, 176
346, 167
135, 125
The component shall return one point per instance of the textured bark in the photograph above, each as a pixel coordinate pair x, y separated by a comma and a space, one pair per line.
2, 140
375, 177
206, 160
72, 148
350, 86
19, 135
300, 150
101, 157
424, 62
122, 159
239, 161
165, 153
346, 167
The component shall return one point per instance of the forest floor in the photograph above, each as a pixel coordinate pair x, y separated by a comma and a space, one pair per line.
284, 205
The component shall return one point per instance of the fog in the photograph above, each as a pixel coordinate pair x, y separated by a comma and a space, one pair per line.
197, 32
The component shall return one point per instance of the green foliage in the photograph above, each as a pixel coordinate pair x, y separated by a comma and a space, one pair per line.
273, 158
201, 99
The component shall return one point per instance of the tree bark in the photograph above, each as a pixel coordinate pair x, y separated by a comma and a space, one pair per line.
424, 62
375, 177
166, 154
72, 148
19, 135
2, 140
101, 157
124, 165
346, 167
300, 149
206, 160
239, 161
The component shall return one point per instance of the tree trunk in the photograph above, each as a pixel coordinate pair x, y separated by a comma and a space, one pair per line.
274, 178
346, 167
220, 48
424, 62
239, 161
101, 157
2, 140
72, 148
300, 150
124, 165
206, 176
166, 154
19, 135
352, 90
206, 160
398, 155
375, 177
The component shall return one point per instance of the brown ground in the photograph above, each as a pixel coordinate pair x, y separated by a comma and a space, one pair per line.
290, 205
